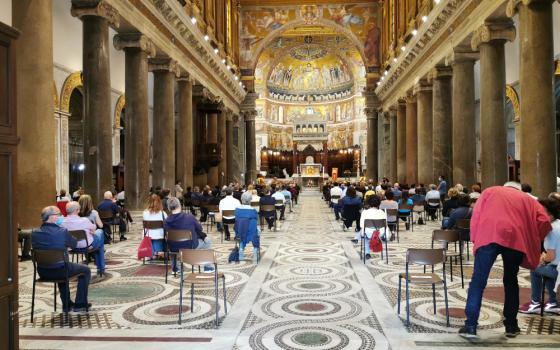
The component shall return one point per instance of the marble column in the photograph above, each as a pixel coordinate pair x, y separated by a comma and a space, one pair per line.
464, 133
372, 144
424, 98
36, 167
441, 123
326, 157
222, 167
185, 151
137, 49
163, 141
294, 158
490, 39
96, 17
537, 105
249, 112
384, 124
229, 147
401, 142
212, 139
393, 146
411, 140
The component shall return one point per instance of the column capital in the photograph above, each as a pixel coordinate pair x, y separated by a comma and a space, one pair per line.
463, 54
185, 77
163, 64
134, 41
97, 8
401, 102
410, 97
372, 101
249, 115
249, 103
228, 113
513, 5
423, 85
371, 112
492, 31
440, 72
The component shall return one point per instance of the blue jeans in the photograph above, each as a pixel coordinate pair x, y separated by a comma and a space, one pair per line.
242, 251
550, 272
484, 259
83, 282
99, 244
337, 210
157, 246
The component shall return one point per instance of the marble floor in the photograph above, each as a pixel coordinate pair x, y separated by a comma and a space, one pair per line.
309, 291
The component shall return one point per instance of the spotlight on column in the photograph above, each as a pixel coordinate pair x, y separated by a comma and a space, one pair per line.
236, 78
206, 37
228, 67
223, 60
437, 1
414, 32
424, 18
403, 48
193, 20
81, 167
395, 59
216, 51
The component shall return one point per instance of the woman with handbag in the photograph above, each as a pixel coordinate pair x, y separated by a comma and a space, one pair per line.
154, 212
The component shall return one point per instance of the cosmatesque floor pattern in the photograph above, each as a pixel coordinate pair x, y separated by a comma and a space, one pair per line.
309, 291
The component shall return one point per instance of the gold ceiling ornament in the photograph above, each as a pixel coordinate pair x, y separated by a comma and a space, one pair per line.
118, 111
511, 94
72, 82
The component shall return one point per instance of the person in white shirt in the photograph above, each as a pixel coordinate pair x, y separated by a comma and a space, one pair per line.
373, 213
120, 196
336, 191
154, 212
433, 193
278, 195
228, 203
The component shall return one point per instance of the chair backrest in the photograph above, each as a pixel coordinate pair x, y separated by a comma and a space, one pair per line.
198, 256
152, 224
433, 201
213, 208
375, 223
405, 206
228, 212
80, 235
279, 202
105, 214
267, 208
255, 204
392, 212
419, 206
195, 202
463, 224
425, 256
49, 257
446, 236
179, 235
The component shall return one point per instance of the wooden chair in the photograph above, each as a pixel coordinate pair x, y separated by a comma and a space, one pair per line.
211, 218
464, 225
450, 236
176, 236
393, 213
376, 224
405, 206
81, 235
151, 225
435, 204
108, 218
226, 213
268, 209
423, 257
195, 205
419, 208
198, 257
50, 258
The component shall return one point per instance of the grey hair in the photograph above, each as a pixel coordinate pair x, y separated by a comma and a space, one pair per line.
47, 212
246, 198
72, 208
513, 184
173, 203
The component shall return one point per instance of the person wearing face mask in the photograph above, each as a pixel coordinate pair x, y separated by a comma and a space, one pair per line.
51, 236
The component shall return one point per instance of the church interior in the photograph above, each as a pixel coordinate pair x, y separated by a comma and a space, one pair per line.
140, 102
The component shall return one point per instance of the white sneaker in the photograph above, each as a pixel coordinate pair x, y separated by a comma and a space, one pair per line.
552, 308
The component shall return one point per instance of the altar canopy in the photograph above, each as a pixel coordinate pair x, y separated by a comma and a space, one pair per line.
310, 170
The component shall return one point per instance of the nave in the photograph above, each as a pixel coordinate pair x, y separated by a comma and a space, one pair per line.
310, 290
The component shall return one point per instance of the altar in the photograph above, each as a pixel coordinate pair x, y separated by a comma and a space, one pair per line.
310, 174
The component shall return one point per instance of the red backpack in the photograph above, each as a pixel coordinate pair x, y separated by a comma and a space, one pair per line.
375, 244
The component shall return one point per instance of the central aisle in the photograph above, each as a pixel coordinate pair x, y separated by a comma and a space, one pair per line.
310, 296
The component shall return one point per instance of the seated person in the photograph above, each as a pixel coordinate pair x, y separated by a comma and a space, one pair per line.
51, 236
95, 237
287, 196
246, 228
278, 195
405, 213
155, 212
24, 237
335, 191
432, 208
228, 203
390, 203
179, 220
109, 204
463, 211
449, 204
372, 213
267, 199
351, 205
548, 265
418, 198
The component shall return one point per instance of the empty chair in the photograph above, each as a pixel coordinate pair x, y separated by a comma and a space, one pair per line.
450, 236
196, 257
423, 257
211, 218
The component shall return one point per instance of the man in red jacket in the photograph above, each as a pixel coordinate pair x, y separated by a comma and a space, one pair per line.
509, 223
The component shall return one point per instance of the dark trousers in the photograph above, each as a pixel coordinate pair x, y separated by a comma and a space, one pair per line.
225, 222
337, 209
348, 223
483, 262
25, 238
282, 209
83, 282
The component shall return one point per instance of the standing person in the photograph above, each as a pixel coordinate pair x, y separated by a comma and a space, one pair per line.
509, 223
442, 187
154, 212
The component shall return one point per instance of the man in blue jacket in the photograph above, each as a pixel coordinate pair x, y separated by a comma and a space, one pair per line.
51, 236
